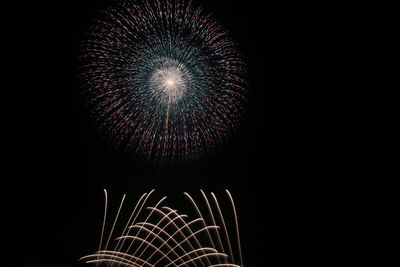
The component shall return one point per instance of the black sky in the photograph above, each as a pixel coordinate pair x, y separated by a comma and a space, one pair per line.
313, 167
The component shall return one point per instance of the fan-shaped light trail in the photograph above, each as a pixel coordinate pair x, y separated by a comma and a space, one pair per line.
163, 79
157, 235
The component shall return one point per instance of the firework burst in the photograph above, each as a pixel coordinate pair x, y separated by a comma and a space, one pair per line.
163, 79
167, 238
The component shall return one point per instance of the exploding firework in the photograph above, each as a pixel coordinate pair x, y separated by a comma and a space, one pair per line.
163, 79
167, 238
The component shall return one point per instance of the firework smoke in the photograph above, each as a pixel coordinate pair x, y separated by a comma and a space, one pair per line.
163, 79
160, 236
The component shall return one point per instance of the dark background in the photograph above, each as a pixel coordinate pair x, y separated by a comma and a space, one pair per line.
313, 167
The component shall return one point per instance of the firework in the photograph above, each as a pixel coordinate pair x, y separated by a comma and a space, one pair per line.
163, 79
160, 236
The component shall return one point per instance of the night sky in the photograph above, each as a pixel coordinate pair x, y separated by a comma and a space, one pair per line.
313, 167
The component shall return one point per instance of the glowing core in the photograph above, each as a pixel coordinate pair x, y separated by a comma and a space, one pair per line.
169, 82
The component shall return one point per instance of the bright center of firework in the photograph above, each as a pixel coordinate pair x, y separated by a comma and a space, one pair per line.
170, 82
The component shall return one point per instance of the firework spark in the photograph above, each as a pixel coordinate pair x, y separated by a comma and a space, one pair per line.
163, 79
167, 238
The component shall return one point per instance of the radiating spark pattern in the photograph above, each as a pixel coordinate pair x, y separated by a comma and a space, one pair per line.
163, 79
157, 235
